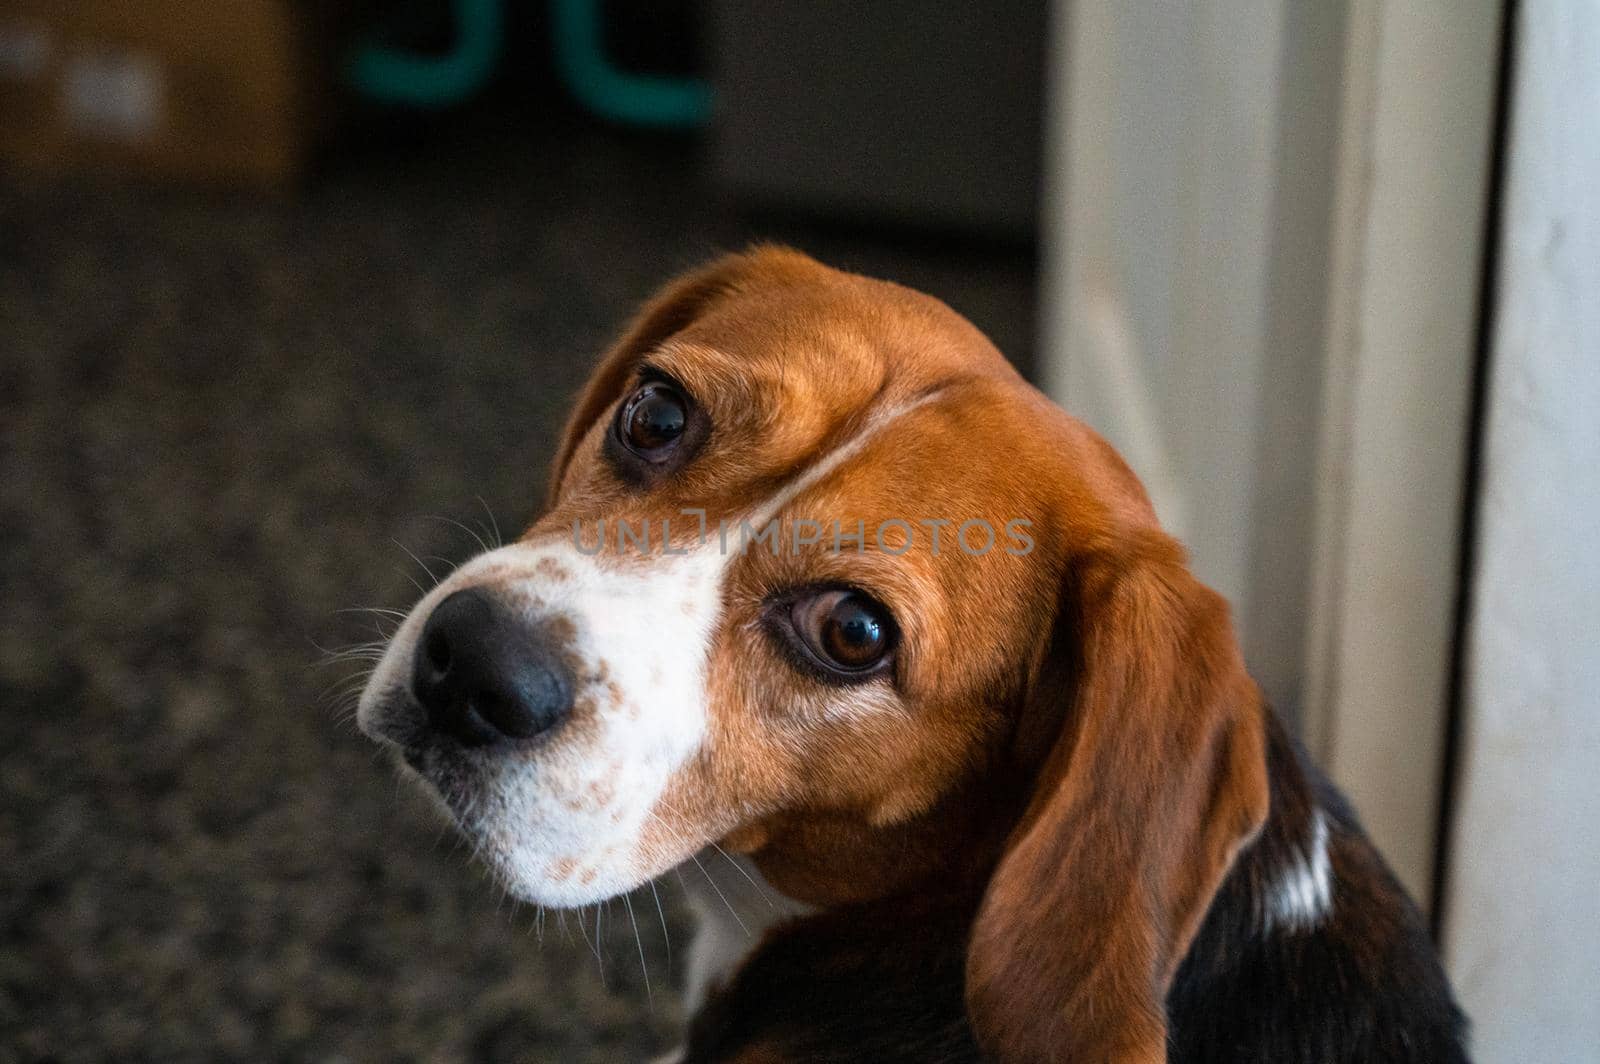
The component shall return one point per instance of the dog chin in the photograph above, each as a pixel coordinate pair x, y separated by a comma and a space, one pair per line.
521, 873
471, 797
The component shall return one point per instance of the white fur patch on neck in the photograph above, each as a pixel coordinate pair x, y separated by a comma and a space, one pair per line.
1302, 894
733, 912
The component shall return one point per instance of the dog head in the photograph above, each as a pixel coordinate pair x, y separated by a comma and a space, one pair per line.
822, 580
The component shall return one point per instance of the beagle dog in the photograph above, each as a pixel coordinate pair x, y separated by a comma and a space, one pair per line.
824, 582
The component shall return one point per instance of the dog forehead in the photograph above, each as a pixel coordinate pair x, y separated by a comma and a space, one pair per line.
948, 498
831, 339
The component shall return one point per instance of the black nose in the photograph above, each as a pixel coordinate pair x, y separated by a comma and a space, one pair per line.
484, 676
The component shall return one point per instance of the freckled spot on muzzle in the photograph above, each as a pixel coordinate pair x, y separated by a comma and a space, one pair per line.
552, 570
561, 629
602, 791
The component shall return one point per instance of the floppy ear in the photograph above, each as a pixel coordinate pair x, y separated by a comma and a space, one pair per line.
669, 312
1155, 779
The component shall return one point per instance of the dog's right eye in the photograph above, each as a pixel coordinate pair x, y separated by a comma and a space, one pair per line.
653, 420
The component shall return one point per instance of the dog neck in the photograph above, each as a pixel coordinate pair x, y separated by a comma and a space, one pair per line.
882, 960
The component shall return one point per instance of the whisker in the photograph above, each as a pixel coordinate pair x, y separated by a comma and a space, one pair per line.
414, 583
336, 653
761, 890
665, 937
364, 666
731, 911
499, 540
352, 685
416, 559
644, 969
452, 521
583, 930
382, 611
672, 832
372, 654
747, 877
344, 709
343, 689
340, 699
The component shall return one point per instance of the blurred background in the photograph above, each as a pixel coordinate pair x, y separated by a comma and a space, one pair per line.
294, 296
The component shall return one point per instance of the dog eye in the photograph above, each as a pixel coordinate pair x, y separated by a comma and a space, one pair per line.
653, 420
847, 632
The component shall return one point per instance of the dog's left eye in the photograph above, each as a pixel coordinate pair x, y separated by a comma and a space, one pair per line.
653, 420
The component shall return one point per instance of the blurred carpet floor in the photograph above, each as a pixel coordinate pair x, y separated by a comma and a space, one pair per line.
220, 417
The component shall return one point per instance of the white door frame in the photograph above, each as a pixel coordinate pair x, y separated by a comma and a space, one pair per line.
1521, 929
1406, 275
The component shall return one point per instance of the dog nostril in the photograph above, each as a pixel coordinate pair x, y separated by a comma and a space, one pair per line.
437, 649
498, 714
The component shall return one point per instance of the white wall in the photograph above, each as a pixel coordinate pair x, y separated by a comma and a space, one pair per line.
1261, 273
1186, 239
1523, 899
1158, 225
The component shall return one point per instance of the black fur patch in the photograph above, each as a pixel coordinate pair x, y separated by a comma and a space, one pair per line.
884, 982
